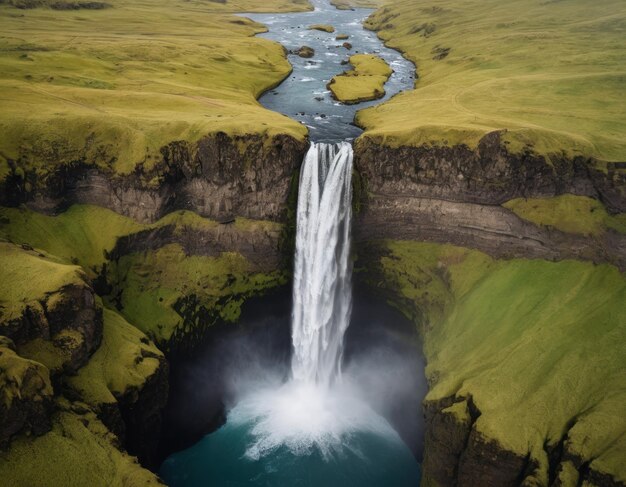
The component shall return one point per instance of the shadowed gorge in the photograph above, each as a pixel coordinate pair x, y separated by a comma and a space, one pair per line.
312, 242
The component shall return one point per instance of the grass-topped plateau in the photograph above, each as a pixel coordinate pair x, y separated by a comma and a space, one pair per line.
112, 86
550, 73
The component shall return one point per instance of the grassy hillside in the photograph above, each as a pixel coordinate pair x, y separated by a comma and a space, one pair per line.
29, 277
568, 213
78, 451
551, 73
111, 86
365, 82
538, 345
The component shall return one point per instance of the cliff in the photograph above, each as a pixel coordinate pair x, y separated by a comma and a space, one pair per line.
459, 195
523, 363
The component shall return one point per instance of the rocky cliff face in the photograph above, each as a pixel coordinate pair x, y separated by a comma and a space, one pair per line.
218, 177
453, 195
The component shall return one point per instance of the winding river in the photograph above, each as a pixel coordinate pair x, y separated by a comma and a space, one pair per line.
303, 95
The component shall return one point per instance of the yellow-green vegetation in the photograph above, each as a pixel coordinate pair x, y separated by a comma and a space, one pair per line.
85, 233
28, 277
568, 213
124, 361
322, 27
21, 378
149, 285
538, 345
110, 87
80, 235
551, 73
350, 4
365, 82
78, 451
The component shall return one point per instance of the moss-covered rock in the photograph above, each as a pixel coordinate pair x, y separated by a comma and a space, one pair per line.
125, 382
48, 309
79, 450
152, 289
322, 27
25, 394
569, 213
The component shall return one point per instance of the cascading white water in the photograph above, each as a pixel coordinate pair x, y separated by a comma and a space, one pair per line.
322, 295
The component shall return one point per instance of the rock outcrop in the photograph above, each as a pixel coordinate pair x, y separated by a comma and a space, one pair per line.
488, 175
453, 195
218, 177
25, 394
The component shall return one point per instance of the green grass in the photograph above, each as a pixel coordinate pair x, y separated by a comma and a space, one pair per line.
148, 284
124, 361
550, 73
28, 277
536, 344
85, 233
110, 87
348, 4
21, 378
78, 451
365, 82
81, 234
568, 213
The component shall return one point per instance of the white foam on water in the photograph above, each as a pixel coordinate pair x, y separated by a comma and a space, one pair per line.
305, 418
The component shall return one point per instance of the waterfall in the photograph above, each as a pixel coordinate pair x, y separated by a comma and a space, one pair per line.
322, 294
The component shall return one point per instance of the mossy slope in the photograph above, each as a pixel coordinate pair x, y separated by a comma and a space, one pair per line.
79, 450
145, 286
538, 346
122, 363
568, 213
551, 73
365, 82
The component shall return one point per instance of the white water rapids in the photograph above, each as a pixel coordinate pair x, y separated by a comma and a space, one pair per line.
322, 295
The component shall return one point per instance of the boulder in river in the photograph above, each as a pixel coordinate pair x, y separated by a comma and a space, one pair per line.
305, 52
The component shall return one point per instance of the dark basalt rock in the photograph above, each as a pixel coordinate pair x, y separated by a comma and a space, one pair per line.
72, 307
141, 412
453, 195
487, 175
260, 247
218, 177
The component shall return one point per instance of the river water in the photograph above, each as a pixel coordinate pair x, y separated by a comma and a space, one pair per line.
304, 95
